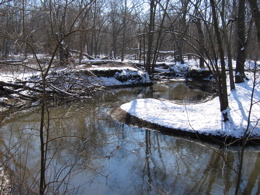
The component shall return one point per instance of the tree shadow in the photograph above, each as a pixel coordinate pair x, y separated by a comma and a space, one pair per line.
248, 94
240, 108
249, 88
131, 111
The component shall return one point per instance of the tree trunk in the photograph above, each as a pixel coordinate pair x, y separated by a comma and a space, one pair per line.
221, 80
140, 45
256, 16
201, 41
150, 37
160, 37
23, 30
124, 32
42, 143
183, 29
241, 52
228, 47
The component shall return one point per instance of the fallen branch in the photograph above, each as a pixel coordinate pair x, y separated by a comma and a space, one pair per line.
84, 54
17, 86
60, 91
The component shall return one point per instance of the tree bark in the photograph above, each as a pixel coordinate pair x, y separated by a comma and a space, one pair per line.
183, 29
222, 84
160, 37
228, 47
124, 32
241, 50
42, 144
197, 22
256, 16
150, 37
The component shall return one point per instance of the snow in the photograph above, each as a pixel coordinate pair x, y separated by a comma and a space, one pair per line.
111, 68
204, 118
79, 76
123, 76
180, 69
14, 76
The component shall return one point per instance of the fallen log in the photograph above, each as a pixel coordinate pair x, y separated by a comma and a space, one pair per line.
8, 89
82, 53
18, 86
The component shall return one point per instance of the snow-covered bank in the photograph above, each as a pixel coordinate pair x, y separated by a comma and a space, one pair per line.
22, 88
204, 118
83, 75
115, 76
82, 81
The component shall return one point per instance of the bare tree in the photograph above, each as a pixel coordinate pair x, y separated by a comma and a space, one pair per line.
221, 74
227, 44
201, 39
150, 35
251, 125
256, 16
117, 24
64, 32
183, 28
160, 33
124, 31
215, 55
241, 49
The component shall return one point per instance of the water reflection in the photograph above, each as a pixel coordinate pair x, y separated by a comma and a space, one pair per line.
177, 91
91, 154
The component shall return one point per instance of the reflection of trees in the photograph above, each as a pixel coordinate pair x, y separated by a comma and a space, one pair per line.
183, 167
179, 91
151, 168
251, 174
16, 145
75, 143
116, 157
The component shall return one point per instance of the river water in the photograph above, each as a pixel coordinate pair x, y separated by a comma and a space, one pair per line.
89, 153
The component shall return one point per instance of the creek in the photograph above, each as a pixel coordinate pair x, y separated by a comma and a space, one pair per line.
90, 153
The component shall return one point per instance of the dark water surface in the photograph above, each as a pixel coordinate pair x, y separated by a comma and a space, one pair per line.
89, 153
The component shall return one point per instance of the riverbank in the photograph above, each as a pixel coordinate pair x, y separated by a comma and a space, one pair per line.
200, 121
22, 87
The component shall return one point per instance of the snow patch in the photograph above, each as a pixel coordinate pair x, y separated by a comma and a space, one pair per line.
204, 118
